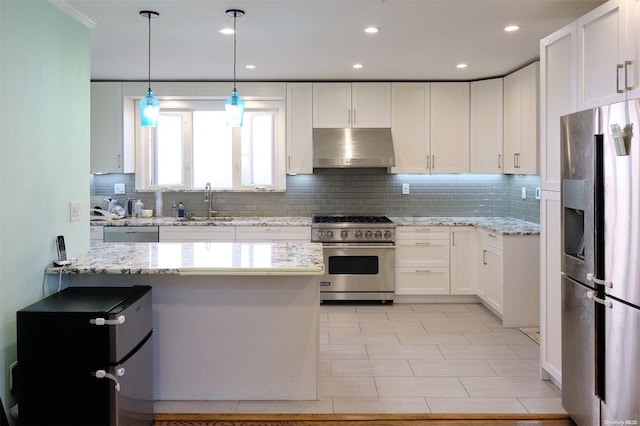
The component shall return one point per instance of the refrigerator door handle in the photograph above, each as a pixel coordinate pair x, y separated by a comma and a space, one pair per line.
592, 295
591, 277
103, 321
102, 374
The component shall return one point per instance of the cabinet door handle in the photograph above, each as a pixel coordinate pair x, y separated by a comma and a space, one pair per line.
627, 85
354, 116
433, 161
349, 116
424, 271
516, 160
453, 238
484, 257
499, 161
119, 156
618, 71
423, 244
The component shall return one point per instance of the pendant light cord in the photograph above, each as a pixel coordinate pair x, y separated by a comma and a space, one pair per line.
235, 17
149, 56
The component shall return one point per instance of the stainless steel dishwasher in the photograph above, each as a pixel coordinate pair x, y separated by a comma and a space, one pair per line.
130, 234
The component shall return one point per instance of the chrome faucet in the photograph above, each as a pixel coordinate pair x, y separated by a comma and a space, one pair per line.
208, 197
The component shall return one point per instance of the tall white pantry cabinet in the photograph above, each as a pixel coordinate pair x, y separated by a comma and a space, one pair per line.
590, 62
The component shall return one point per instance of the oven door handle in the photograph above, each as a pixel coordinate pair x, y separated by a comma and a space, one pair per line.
360, 247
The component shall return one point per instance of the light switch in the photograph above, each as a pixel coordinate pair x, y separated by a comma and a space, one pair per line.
405, 188
524, 193
75, 211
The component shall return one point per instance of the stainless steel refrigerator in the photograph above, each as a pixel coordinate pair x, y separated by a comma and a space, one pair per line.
601, 264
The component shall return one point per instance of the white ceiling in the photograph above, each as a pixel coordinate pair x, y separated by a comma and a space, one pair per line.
320, 39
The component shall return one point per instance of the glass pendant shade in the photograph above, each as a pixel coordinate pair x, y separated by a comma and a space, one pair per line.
149, 110
234, 106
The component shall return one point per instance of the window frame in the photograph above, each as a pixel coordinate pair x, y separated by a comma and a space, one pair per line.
144, 135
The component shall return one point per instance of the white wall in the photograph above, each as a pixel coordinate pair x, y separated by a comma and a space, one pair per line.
44, 152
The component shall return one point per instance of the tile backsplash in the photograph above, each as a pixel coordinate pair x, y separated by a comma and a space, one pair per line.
353, 191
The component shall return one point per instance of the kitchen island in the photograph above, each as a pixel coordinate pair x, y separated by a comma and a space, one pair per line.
232, 321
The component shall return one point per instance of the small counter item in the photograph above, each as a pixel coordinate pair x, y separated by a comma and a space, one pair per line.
137, 208
180, 210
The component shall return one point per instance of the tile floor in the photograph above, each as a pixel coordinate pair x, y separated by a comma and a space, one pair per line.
413, 358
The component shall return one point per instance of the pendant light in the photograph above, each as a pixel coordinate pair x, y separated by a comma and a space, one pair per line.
149, 105
234, 106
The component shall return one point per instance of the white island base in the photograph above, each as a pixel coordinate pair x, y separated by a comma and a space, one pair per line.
245, 337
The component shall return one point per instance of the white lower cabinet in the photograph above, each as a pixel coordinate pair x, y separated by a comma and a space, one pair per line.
299, 234
508, 277
490, 280
463, 268
96, 233
191, 234
422, 260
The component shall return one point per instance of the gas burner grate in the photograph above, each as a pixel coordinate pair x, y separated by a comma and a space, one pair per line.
351, 219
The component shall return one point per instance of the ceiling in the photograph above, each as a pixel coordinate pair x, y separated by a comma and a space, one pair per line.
291, 40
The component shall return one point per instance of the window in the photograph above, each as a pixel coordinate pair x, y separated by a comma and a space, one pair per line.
192, 145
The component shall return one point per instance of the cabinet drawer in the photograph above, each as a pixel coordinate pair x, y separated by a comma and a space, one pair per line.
422, 281
423, 253
273, 233
493, 239
423, 232
186, 234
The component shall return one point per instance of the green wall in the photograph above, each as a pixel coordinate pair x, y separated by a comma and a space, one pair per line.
44, 153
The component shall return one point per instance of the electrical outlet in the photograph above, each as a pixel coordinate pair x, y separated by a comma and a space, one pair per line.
75, 211
405, 188
524, 193
118, 188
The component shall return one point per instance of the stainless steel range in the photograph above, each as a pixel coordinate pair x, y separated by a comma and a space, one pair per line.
359, 257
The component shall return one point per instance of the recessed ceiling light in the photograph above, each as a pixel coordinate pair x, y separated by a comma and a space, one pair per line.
250, 67
461, 66
357, 66
371, 30
226, 31
511, 28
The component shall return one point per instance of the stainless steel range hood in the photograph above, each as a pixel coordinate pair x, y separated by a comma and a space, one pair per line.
359, 147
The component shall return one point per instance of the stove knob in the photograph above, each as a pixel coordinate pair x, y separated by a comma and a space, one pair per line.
319, 234
387, 234
344, 234
377, 234
328, 234
368, 234
358, 234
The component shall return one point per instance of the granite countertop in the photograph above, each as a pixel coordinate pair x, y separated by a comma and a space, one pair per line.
220, 221
199, 259
500, 225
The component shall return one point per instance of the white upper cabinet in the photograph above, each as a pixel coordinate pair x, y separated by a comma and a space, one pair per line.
339, 105
449, 127
299, 128
486, 126
558, 97
410, 105
608, 57
520, 125
112, 148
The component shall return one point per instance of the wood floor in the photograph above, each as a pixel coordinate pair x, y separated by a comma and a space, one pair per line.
362, 420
